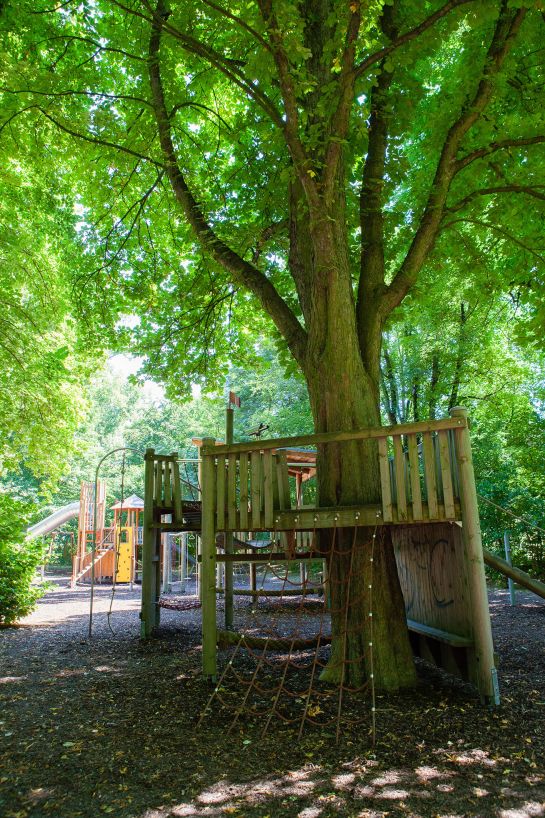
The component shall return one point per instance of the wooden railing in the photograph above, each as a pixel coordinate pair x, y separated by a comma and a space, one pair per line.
418, 479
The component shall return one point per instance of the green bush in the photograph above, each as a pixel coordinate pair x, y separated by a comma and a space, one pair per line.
18, 562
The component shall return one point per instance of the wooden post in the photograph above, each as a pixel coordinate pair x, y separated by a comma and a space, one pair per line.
208, 565
147, 611
486, 678
198, 544
253, 584
167, 563
510, 583
229, 541
183, 562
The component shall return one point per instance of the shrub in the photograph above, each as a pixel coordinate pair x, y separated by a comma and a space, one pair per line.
18, 562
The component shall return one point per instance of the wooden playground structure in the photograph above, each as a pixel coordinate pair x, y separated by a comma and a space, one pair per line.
107, 553
428, 499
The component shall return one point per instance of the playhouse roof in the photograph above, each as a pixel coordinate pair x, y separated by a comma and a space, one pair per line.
129, 503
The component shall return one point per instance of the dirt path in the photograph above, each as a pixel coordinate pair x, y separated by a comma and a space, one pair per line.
108, 727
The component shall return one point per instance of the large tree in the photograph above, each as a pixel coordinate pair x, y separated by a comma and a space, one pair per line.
304, 159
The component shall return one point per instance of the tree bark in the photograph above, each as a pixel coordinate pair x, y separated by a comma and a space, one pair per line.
344, 395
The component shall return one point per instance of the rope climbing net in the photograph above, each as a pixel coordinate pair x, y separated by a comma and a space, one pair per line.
303, 659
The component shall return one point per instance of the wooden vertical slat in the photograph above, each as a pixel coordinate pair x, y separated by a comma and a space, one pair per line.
243, 475
284, 495
255, 488
177, 491
454, 463
414, 473
276, 493
386, 488
438, 480
429, 472
232, 491
268, 488
446, 474
399, 468
220, 493
158, 489
167, 483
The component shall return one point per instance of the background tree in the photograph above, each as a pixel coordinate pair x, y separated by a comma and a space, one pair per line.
307, 159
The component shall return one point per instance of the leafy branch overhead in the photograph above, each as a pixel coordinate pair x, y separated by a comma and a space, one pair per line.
358, 130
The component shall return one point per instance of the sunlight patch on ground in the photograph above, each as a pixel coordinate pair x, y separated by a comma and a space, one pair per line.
531, 809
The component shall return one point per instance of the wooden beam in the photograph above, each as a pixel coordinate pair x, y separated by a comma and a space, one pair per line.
485, 672
208, 568
453, 639
147, 609
271, 556
513, 573
229, 638
340, 437
275, 591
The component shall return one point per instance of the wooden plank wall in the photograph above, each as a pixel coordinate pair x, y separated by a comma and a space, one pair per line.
433, 575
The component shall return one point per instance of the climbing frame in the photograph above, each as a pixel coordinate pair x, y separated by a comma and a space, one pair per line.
427, 481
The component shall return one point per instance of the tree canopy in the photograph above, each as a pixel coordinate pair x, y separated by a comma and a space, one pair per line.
201, 131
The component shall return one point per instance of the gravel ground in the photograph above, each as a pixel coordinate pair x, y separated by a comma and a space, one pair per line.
110, 726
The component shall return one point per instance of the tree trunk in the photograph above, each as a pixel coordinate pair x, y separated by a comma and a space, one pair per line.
344, 395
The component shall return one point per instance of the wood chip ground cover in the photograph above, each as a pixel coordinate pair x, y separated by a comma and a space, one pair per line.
108, 726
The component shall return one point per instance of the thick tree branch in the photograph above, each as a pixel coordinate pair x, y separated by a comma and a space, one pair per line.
529, 190
371, 279
341, 116
242, 272
503, 144
227, 66
408, 35
301, 161
506, 29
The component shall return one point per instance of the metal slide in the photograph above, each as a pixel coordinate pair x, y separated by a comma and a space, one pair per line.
60, 516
